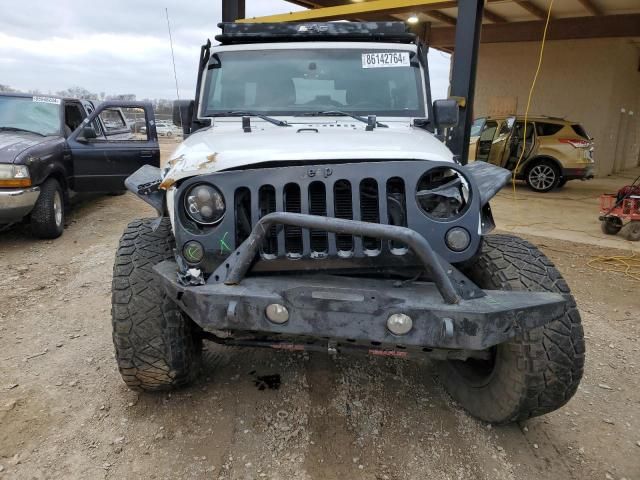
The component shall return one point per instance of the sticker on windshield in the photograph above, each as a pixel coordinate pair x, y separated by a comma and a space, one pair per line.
55, 101
385, 59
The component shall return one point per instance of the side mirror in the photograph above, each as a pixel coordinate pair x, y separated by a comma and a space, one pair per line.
445, 113
183, 114
88, 133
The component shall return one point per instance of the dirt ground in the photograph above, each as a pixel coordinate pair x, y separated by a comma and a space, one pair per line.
65, 413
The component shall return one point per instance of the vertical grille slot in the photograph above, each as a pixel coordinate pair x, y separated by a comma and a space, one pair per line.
267, 204
396, 206
318, 206
242, 209
343, 208
369, 210
292, 235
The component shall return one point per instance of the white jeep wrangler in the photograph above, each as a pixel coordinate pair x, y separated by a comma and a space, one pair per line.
314, 206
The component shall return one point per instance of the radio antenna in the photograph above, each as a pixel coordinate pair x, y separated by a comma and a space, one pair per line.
173, 60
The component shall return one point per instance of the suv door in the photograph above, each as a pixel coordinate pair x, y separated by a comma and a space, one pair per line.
102, 159
494, 140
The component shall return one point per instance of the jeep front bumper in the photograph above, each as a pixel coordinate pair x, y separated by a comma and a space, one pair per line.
448, 313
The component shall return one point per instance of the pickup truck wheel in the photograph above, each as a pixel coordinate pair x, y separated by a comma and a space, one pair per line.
47, 216
535, 373
157, 346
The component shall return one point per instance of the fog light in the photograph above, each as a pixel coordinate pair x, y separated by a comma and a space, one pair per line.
458, 239
193, 251
399, 323
277, 313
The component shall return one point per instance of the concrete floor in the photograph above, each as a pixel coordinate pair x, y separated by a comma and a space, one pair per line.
570, 213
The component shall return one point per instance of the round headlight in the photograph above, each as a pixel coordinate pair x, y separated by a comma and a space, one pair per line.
443, 193
204, 204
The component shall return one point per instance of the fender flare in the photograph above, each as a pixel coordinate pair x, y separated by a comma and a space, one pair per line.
144, 183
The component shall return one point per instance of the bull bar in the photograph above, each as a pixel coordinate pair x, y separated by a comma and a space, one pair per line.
449, 313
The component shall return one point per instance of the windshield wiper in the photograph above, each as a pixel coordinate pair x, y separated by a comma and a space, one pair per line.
16, 129
330, 113
275, 121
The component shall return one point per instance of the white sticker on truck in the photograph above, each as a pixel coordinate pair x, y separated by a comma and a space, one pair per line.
54, 101
385, 59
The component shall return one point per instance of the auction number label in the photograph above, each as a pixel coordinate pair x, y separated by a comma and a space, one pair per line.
54, 101
385, 59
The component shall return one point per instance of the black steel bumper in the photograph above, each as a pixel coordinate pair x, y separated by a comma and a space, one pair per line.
450, 313
356, 310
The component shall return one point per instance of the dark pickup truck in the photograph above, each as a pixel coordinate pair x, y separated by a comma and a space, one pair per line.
52, 148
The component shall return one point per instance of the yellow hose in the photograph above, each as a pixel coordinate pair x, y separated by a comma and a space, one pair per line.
533, 86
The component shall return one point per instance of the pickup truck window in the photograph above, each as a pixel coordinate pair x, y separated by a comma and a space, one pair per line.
74, 114
294, 82
121, 124
30, 114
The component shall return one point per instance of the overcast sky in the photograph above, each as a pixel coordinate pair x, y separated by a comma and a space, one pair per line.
122, 46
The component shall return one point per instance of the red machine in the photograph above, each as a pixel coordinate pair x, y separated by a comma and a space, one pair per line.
622, 209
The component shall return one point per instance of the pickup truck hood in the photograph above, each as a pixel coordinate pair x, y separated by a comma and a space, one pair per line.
227, 147
13, 144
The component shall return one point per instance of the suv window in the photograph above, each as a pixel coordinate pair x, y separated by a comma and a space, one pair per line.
475, 128
547, 129
580, 130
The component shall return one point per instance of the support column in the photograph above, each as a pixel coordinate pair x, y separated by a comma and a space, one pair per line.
233, 10
463, 73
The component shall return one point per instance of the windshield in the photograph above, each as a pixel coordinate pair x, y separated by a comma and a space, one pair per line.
35, 114
294, 82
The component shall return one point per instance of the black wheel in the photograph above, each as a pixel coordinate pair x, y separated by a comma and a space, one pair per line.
157, 346
631, 231
117, 193
563, 181
530, 375
542, 176
611, 225
47, 217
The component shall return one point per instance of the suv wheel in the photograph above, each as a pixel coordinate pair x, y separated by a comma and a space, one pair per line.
534, 373
47, 217
542, 176
157, 346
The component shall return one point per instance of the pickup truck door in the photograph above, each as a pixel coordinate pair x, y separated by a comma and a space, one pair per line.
104, 152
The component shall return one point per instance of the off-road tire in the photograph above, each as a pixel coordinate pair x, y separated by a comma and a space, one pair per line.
610, 225
548, 166
535, 373
157, 346
45, 223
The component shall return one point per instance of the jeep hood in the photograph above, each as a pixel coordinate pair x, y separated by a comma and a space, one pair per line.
225, 148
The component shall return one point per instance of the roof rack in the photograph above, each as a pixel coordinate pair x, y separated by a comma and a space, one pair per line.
239, 33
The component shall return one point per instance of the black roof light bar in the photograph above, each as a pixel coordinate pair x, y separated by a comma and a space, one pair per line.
243, 33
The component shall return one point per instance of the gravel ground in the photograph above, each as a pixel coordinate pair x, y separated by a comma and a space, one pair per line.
65, 413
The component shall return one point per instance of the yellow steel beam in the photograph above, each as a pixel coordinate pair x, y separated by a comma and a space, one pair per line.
341, 12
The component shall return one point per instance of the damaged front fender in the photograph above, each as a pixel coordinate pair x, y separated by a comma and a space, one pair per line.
145, 183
